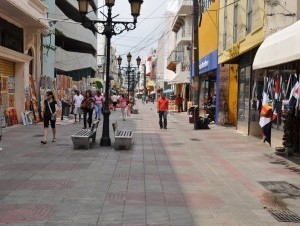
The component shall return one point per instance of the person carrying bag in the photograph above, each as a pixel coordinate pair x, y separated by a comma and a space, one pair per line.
87, 106
49, 115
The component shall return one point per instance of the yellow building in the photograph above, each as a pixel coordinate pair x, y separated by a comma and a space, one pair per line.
208, 61
241, 31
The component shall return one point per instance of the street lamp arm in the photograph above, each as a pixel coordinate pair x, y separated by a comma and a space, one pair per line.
113, 27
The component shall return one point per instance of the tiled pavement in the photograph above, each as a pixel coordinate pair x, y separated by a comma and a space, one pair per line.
177, 176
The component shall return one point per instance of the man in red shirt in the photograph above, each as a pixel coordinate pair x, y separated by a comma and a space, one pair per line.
179, 101
162, 110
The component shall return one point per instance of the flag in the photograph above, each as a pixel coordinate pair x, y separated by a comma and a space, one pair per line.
294, 95
276, 101
265, 121
277, 88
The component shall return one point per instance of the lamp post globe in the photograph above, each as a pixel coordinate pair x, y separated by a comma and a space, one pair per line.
109, 3
135, 7
119, 59
83, 6
138, 61
129, 57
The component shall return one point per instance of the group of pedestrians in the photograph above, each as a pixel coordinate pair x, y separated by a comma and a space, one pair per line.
82, 104
86, 104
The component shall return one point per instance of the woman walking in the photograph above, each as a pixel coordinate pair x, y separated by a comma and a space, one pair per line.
99, 99
123, 103
49, 113
87, 106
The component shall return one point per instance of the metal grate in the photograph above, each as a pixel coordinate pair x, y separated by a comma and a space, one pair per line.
284, 215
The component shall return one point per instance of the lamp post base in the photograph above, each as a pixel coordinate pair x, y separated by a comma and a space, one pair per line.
105, 139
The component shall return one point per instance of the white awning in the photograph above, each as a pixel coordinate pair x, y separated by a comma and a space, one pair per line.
181, 77
279, 48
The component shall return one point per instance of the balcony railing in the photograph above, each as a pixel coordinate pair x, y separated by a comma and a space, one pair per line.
185, 7
184, 39
175, 56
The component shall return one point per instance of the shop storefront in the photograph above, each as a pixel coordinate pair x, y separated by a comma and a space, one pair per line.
208, 68
20, 59
227, 95
244, 62
8, 106
276, 70
181, 86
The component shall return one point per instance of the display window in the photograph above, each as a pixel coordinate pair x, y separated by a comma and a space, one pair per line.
244, 93
208, 96
278, 85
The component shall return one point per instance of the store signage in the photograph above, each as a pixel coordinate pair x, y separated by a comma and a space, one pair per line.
209, 62
234, 50
204, 64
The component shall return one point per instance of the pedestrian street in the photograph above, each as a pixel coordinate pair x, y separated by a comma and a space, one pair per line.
175, 176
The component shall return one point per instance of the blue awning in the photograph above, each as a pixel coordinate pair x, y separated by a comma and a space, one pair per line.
167, 91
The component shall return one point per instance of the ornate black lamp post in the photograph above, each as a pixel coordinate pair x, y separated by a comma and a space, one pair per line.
109, 28
128, 68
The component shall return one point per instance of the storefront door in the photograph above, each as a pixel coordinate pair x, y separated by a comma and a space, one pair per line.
243, 99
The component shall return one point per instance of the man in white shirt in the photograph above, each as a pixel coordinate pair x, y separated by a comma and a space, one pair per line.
114, 99
77, 99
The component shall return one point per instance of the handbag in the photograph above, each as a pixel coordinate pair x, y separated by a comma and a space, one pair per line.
53, 116
83, 105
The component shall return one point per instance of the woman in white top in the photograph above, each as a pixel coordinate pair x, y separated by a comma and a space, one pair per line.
77, 99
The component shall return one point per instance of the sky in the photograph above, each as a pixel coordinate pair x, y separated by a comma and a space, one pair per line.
151, 25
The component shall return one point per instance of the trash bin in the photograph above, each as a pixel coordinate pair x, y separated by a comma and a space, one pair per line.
191, 111
202, 123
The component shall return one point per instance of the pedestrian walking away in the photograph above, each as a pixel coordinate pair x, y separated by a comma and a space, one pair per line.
99, 100
162, 110
49, 114
77, 99
65, 108
123, 106
179, 101
87, 106
114, 99
129, 107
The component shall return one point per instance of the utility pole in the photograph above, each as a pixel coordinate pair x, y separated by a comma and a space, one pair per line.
196, 81
196, 51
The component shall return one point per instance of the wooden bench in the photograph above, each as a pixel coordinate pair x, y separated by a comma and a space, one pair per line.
123, 138
82, 138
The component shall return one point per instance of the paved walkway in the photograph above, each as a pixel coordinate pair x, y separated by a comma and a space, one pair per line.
177, 176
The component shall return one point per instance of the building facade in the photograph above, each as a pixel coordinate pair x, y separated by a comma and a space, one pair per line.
243, 27
180, 56
208, 61
70, 48
22, 26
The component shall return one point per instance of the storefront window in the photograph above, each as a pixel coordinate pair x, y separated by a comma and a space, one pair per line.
278, 85
208, 96
244, 93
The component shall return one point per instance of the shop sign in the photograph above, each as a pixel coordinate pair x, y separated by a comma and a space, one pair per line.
234, 50
209, 62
